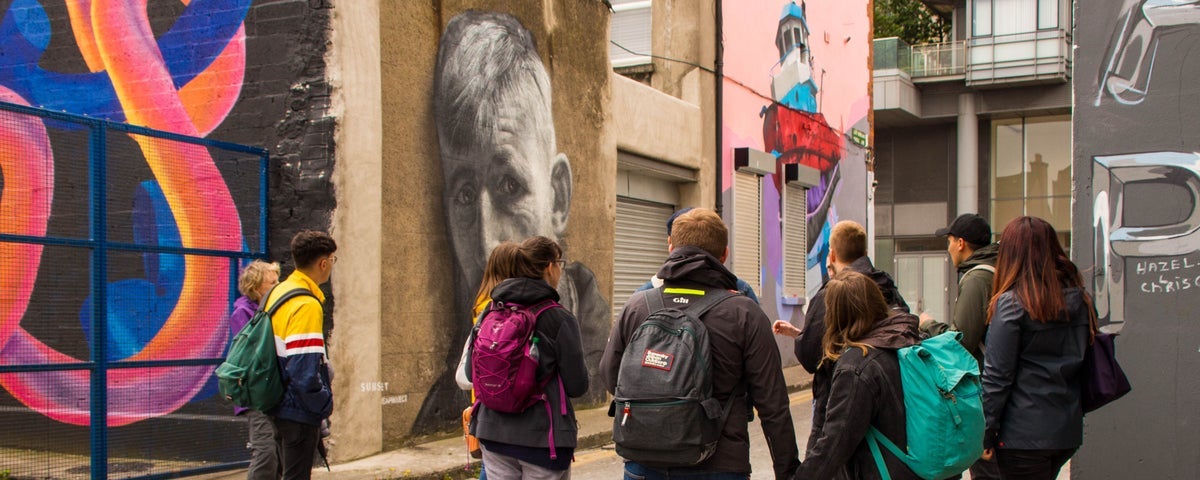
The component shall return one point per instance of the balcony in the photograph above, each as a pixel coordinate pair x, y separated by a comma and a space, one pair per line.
924, 62
1033, 57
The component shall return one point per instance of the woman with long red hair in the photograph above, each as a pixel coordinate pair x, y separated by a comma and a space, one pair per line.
1037, 334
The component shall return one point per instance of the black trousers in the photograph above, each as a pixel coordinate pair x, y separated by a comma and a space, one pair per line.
298, 447
1032, 464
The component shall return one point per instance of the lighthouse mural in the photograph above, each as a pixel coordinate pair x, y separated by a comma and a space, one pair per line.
796, 86
795, 131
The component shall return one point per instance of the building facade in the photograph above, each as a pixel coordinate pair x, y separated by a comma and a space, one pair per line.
980, 123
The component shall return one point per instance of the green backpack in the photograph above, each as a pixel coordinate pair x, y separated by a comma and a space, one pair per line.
250, 375
943, 407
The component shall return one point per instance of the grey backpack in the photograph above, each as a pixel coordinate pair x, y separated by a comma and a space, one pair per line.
664, 412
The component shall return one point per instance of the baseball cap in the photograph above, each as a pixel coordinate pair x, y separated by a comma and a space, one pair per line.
671, 219
970, 227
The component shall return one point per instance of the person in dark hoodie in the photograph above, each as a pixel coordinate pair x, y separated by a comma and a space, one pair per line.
517, 445
1039, 327
859, 347
743, 352
848, 252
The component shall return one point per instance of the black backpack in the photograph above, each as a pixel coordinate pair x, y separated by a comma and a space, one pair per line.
664, 412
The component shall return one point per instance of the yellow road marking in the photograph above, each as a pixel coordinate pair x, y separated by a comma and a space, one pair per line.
801, 396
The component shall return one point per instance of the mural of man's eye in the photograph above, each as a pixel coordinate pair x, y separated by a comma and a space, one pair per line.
510, 187
466, 196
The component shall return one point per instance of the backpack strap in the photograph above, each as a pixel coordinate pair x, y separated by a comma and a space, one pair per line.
984, 267
288, 295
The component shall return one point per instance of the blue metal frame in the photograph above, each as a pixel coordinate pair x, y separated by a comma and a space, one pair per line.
98, 244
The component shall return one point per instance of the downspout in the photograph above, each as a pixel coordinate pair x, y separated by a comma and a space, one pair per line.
719, 70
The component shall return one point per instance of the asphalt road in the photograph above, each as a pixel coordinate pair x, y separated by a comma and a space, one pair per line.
604, 464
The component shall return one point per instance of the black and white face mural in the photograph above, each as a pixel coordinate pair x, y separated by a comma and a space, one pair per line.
1137, 226
505, 179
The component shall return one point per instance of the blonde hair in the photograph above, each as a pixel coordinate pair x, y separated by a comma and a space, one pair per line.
853, 304
702, 228
252, 278
848, 240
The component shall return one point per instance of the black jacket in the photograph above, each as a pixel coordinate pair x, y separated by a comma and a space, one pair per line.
561, 357
743, 351
1032, 374
865, 391
808, 344
809, 349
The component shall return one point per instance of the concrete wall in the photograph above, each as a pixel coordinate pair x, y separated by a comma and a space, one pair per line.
1134, 218
427, 284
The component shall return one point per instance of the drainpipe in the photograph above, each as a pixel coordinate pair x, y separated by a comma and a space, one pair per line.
719, 74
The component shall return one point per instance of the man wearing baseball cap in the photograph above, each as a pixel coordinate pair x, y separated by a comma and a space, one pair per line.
969, 243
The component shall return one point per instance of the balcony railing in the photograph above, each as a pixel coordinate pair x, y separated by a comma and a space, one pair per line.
938, 59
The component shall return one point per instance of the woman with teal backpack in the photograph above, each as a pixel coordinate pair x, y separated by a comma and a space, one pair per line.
861, 339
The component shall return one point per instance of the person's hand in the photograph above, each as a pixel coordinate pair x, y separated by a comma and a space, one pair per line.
988, 454
782, 327
926, 319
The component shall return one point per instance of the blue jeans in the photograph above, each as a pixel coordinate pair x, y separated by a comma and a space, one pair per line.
637, 471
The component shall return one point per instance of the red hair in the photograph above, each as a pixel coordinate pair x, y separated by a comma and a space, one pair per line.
1032, 264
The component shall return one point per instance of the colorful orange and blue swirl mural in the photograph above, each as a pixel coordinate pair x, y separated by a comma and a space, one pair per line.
184, 80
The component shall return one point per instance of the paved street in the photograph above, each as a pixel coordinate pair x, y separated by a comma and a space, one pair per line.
604, 464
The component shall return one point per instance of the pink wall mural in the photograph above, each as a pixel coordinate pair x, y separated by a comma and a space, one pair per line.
797, 77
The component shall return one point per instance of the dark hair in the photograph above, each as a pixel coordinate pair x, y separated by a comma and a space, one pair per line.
501, 264
1032, 264
534, 255
671, 219
853, 304
308, 246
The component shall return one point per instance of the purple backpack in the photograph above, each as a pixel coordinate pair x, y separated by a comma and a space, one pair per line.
504, 357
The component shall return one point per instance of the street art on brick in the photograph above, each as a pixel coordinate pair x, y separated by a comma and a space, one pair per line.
181, 67
796, 84
1137, 185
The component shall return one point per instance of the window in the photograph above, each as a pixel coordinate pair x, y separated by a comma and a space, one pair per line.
795, 240
746, 248
1031, 172
1008, 17
630, 28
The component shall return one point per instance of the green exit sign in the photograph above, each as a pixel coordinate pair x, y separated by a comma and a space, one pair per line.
859, 137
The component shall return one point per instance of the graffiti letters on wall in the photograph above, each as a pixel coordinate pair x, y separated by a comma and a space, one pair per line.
801, 95
1137, 178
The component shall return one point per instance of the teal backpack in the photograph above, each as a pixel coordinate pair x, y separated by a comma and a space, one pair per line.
250, 375
944, 408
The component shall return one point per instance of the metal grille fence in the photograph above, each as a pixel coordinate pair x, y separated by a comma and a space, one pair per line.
119, 253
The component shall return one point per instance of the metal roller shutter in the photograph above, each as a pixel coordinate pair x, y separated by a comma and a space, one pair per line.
795, 240
747, 229
641, 246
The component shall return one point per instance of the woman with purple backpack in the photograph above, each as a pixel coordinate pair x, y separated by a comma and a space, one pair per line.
532, 437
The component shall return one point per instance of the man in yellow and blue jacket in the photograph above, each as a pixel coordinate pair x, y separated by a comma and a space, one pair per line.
300, 345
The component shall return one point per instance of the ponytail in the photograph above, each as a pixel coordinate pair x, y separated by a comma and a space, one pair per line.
535, 254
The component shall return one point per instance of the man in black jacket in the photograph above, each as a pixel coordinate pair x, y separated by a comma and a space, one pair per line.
742, 350
847, 251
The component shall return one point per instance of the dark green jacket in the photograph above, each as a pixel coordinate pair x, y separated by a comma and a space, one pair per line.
970, 309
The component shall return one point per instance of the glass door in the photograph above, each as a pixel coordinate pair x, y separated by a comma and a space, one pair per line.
922, 280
